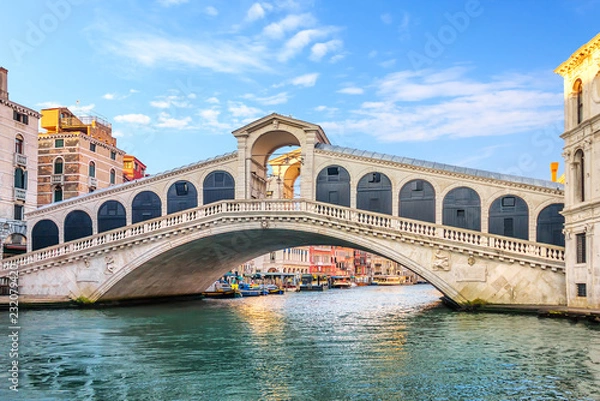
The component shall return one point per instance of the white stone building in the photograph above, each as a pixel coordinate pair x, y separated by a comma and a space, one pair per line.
581, 73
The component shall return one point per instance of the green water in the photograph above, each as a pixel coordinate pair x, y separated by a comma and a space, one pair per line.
366, 343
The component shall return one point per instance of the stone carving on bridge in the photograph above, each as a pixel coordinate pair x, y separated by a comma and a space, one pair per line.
110, 265
441, 260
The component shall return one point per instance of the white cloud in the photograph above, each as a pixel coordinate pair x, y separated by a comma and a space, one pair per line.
81, 110
229, 56
166, 121
388, 63
352, 90
118, 133
241, 110
277, 30
212, 100
319, 50
49, 105
279, 98
160, 104
165, 102
169, 3
210, 10
255, 12
108, 96
300, 40
210, 118
140, 119
306, 80
432, 104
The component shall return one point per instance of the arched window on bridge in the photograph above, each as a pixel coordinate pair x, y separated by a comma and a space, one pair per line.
217, 186
462, 209
145, 206
333, 186
509, 216
374, 193
181, 196
111, 215
44, 234
417, 201
550, 224
78, 224
579, 180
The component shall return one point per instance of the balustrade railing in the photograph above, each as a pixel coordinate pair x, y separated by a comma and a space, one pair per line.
273, 207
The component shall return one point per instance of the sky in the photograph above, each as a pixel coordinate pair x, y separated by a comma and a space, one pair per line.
462, 82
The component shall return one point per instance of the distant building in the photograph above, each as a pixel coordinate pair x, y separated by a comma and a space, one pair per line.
18, 169
133, 168
76, 155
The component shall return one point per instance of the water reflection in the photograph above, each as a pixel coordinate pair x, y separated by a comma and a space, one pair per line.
360, 344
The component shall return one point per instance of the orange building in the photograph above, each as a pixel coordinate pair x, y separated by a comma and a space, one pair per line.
133, 168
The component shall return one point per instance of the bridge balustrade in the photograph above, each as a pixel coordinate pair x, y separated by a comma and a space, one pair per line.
388, 223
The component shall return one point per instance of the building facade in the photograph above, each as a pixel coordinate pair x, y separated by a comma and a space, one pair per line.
18, 169
76, 156
581, 73
133, 168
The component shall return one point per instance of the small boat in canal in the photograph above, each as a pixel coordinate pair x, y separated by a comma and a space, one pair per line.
388, 280
341, 282
313, 282
220, 290
249, 290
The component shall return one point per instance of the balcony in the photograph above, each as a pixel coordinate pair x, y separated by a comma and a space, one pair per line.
57, 179
20, 160
92, 182
20, 194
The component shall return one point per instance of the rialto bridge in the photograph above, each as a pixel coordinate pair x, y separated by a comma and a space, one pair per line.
474, 235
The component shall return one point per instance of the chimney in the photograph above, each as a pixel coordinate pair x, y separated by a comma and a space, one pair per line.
3, 83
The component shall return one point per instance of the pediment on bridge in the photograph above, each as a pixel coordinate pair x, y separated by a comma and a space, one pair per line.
278, 122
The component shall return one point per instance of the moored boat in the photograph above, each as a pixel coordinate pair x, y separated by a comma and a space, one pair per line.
341, 282
219, 289
313, 282
388, 280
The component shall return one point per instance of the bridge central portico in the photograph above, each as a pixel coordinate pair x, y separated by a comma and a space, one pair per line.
472, 234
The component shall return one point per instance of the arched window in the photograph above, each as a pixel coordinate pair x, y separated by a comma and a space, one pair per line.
92, 169
58, 165
113, 176
58, 193
44, 234
182, 195
217, 186
579, 176
20, 178
578, 88
145, 206
550, 224
111, 215
417, 201
462, 208
19, 144
78, 224
374, 193
509, 216
333, 186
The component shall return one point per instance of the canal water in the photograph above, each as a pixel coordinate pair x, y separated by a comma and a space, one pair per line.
366, 343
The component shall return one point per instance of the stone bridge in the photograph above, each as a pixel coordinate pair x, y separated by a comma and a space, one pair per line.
472, 234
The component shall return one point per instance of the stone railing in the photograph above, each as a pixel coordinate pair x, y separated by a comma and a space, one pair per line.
510, 247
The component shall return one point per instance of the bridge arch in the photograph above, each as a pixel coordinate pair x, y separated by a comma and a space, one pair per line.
333, 185
207, 255
416, 200
111, 215
217, 185
462, 208
44, 233
374, 193
550, 224
146, 205
78, 224
181, 195
509, 216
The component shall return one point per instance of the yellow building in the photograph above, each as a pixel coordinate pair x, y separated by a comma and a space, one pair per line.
76, 155
133, 168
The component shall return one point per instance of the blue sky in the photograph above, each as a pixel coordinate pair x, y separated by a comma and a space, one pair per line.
463, 82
